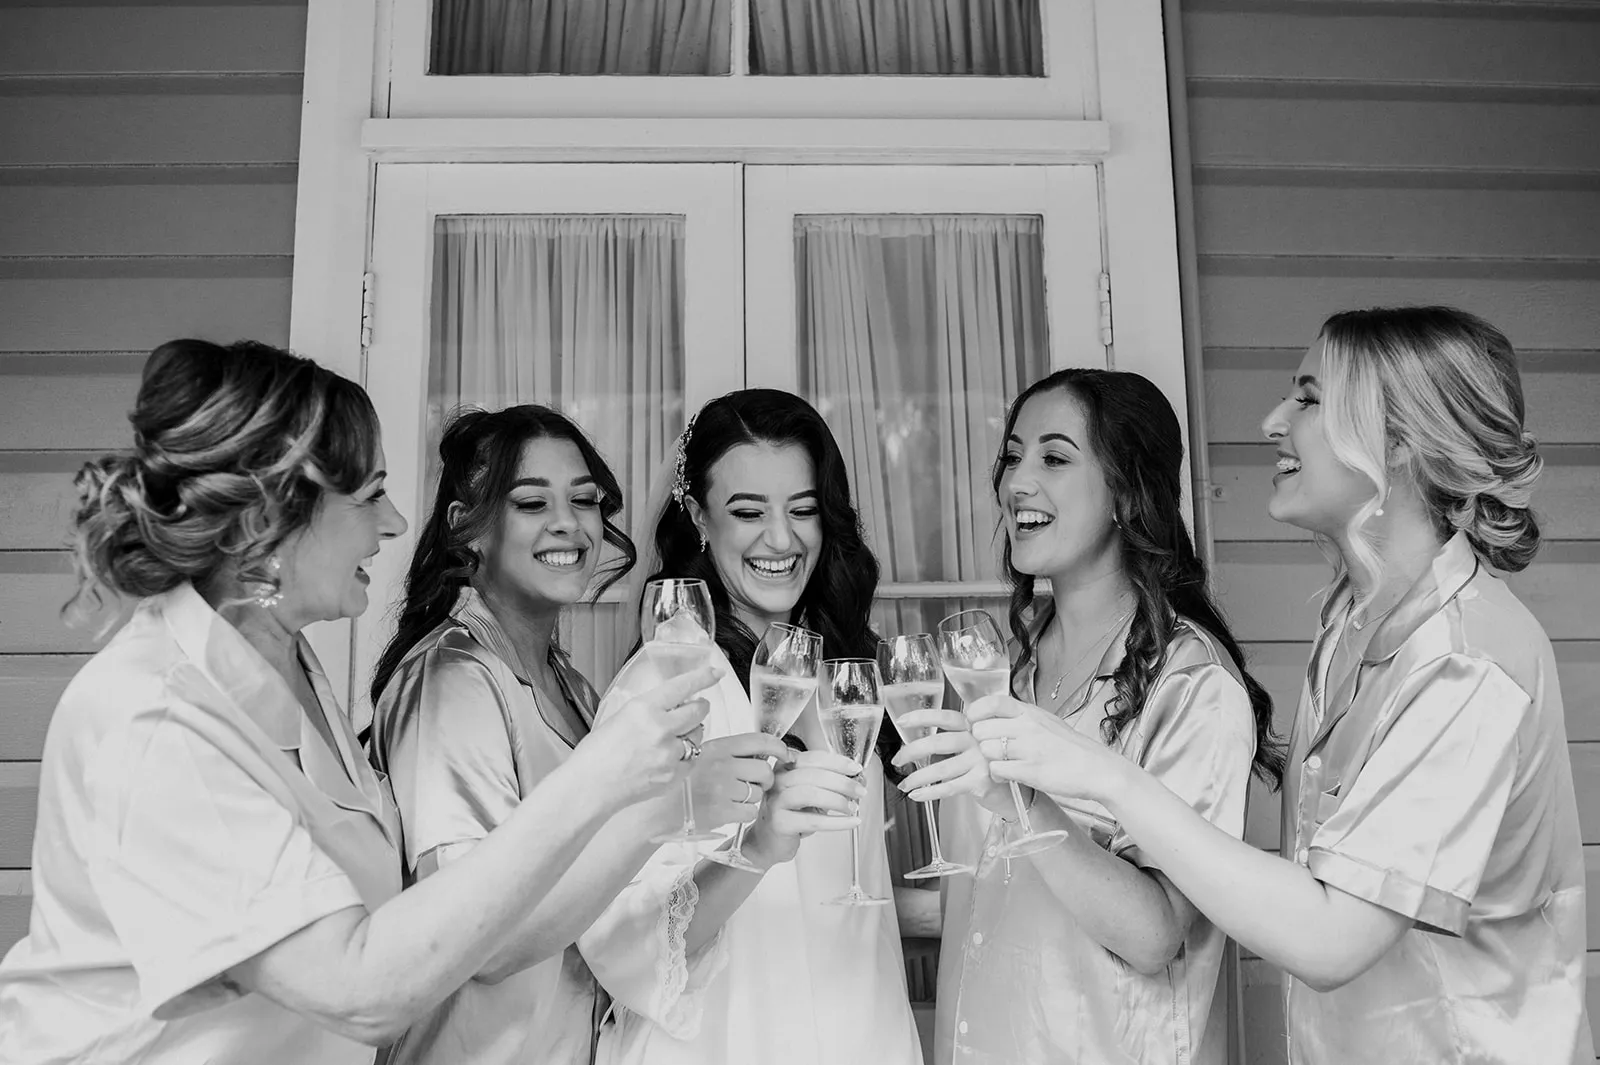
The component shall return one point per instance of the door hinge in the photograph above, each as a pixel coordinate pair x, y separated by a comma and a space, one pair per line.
366, 310
1105, 310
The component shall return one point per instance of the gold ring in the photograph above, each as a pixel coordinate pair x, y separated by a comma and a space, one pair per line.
691, 749
1005, 748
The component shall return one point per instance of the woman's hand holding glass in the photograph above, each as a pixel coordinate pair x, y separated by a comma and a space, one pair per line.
642, 749
817, 792
955, 764
732, 775
1028, 745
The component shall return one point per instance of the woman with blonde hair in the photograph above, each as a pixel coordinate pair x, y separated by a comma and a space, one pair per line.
216, 873
1429, 901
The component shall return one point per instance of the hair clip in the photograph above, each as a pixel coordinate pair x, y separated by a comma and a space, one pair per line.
680, 477
270, 593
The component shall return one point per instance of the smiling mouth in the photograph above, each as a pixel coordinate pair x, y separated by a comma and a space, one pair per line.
566, 558
1288, 465
1029, 521
774, 569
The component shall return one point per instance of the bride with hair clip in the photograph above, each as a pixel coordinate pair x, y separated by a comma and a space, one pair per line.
708, 964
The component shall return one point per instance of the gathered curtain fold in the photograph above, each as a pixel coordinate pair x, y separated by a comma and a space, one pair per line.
995, 38
581, 37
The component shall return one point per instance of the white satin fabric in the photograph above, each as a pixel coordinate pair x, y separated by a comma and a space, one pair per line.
788, 980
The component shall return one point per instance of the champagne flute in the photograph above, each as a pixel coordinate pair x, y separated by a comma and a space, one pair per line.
783, 678
850, 704
912, 681
677, 624
977, 663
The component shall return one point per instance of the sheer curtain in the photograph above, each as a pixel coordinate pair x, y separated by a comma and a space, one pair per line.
914, 332
984, 37
581, 37
583, 313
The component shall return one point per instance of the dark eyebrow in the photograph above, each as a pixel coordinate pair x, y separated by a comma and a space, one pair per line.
1045, 438
1305, 380
809, 493
376, 478
544, 482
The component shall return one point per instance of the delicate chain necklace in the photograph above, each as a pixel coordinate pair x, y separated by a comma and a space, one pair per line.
1055, 691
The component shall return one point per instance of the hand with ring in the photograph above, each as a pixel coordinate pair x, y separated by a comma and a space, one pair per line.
641, 749
817, 791
730, 775
1038, 749
952, 762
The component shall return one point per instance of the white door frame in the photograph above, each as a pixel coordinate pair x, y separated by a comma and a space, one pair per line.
345, 124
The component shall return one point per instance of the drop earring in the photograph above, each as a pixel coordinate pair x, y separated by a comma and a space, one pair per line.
270, 593
704, 542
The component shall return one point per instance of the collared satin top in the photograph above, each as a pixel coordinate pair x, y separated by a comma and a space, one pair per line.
1020, 982
190, 816
1433, 780
464, 736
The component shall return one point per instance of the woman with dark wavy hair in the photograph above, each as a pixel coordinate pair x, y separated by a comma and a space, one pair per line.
1087, 952
477, 704
216, 873
1428, 904
760, 509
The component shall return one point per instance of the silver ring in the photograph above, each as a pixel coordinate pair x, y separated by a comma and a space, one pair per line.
691, 749
1005, 748
750, 793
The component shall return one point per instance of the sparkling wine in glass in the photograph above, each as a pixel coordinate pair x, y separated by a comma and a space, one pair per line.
977, 663
677, 623
783, 678
850, 704
912, 680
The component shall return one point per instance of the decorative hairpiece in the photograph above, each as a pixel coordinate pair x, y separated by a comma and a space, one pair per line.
270, 593
680, 476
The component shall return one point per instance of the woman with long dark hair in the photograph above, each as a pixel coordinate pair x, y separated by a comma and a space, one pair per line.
1428, 903
477, 704
760, 509
1087, 952
216, 874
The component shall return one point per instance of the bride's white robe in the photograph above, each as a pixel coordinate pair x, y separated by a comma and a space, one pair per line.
788, 980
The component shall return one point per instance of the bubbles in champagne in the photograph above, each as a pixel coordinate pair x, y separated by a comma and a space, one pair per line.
903, 698
778, 699
852, 730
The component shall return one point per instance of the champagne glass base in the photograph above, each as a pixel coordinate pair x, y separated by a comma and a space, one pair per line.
734, 860
933, 869
856, 897
1039, 841
686, 836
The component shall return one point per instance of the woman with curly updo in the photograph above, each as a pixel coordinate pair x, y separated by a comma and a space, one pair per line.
1086, 952
1429, 901
216, 871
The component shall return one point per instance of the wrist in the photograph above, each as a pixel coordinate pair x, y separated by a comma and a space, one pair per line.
1007, 812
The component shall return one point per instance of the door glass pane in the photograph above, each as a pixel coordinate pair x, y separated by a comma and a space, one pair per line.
913, 332
583, 313
581, 37
993, 38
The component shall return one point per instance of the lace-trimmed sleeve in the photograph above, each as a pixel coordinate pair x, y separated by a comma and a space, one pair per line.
637, 949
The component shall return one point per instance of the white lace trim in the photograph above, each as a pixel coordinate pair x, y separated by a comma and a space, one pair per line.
680, 983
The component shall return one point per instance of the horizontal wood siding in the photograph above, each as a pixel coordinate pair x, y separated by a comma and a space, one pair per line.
147, 185
1362, 152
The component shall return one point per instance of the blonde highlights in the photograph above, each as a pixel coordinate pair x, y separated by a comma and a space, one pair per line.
233, 449
1439, 388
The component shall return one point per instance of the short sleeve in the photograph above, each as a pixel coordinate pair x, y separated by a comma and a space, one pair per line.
1412, 832
199, 865
1200, 745
448, 753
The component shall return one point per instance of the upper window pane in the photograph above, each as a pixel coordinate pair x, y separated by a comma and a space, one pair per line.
913, 333
581, 37
992, 38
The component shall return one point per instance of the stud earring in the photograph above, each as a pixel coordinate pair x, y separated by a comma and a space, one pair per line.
270, 593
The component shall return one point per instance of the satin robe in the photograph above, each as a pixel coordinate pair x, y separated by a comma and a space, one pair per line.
465, 736
788, 980
177, 837
1433, 780
1020, 982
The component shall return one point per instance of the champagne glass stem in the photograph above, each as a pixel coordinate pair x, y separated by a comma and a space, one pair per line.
688, 808
855, 863
932, 813
1023, 821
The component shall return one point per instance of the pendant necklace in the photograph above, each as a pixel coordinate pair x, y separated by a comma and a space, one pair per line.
1055, 691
